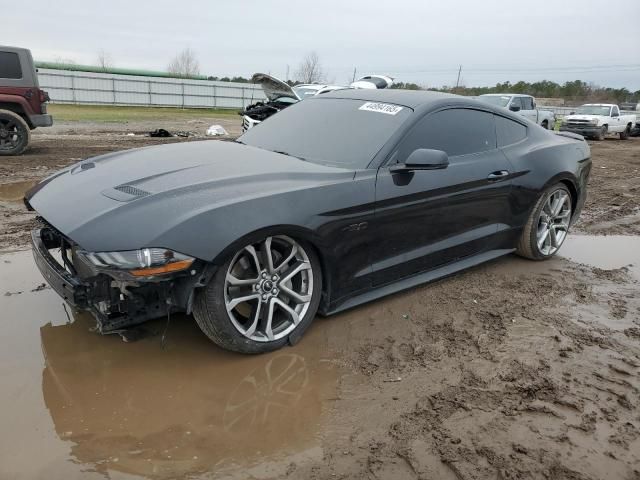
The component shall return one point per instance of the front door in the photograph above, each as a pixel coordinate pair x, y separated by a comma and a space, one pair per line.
427, 218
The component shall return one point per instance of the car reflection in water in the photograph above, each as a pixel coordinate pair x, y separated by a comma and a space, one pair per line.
185, 409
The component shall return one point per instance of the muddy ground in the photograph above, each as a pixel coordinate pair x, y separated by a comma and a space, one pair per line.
512, 370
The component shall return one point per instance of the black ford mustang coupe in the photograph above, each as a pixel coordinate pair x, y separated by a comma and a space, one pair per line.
333, 202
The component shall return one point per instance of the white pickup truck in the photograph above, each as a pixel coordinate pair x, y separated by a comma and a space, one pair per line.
524, 105
596, 120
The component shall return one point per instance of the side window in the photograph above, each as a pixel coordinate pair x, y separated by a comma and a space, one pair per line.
527, 103
456, 131
10, 65
508, 131
517, 102
615, 112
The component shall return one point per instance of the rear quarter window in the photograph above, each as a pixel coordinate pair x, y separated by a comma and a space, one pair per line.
10, 65
509, 131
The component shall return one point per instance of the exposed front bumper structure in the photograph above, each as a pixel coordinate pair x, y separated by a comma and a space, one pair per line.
115, 303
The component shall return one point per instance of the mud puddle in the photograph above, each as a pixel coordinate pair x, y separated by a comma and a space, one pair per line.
610, 252
14, 192
79, 402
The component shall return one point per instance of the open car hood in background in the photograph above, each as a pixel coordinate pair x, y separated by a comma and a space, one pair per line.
373, 82
274, 88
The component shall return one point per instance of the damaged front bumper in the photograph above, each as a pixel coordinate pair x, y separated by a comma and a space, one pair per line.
116, 302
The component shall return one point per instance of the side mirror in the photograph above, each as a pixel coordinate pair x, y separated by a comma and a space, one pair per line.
422, 159
514, 108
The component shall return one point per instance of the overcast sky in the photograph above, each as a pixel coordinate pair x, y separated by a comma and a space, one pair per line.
413, 40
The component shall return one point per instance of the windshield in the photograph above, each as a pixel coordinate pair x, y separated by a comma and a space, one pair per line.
593, 110
339, 132
304, 92
286, 100
497, 100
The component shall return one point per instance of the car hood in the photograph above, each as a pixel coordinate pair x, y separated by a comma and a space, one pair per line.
127, 200
584, 117
274, 88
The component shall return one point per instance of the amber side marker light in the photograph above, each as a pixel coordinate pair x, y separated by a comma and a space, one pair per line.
168, 268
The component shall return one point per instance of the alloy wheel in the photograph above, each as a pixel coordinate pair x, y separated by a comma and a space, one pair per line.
553, 223
9, 135
268, 288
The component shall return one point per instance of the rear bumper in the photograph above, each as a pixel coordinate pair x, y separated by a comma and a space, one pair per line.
41, 120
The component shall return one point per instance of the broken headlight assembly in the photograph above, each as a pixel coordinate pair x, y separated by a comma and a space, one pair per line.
140, 263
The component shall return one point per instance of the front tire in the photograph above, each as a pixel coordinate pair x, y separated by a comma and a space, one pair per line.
545, 124
262, 296
602, 133
548, 224
14, 133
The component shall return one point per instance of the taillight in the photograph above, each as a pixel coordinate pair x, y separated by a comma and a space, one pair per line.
44, 96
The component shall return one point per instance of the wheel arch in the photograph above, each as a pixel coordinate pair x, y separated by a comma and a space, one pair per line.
569, 181
296, 232
17, 105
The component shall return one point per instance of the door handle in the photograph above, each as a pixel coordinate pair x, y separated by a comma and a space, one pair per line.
500, 174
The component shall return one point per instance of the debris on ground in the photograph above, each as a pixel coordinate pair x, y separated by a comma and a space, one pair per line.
215, 130
160, 133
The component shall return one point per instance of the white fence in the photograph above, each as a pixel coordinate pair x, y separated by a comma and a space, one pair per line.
66, 86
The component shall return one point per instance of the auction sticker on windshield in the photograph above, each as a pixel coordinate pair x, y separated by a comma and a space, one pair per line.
381, 108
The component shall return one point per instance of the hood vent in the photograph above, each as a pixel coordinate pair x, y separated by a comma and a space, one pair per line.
125, 193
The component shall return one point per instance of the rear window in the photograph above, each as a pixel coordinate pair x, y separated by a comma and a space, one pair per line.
10, 65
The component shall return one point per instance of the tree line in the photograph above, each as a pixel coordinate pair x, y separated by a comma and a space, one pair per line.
310, 70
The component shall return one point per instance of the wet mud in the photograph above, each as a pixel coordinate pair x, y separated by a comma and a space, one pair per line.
169, 405
514, 369
511, 370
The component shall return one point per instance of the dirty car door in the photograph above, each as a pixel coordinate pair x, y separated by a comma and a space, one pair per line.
427, 218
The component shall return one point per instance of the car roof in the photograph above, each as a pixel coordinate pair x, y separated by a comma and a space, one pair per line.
7, 48
407, 98
505, 95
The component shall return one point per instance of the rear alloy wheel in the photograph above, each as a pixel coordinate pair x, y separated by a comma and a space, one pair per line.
14, 133
265, 294
548, 225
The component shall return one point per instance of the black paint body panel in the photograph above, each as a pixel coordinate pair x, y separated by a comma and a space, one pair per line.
371, 227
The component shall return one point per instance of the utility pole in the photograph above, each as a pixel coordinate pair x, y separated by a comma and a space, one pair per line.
354, 75
286, 79
458, 80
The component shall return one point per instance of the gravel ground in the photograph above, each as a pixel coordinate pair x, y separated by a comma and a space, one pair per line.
512, 370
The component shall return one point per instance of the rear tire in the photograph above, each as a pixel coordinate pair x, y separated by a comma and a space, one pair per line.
254, 303
548, 225
545, 124
14, 133
625, 134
